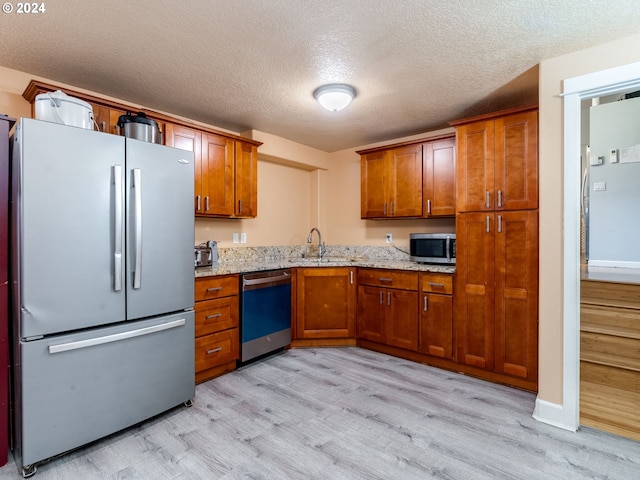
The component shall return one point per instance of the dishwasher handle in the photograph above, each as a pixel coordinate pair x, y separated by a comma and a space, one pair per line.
255, 282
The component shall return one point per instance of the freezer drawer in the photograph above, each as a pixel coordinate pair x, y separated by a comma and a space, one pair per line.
79, 387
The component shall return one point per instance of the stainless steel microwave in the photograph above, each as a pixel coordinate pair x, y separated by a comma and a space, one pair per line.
438, 248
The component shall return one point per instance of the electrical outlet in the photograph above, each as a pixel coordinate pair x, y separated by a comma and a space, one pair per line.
243, 238
389, 238
599, 186
236, 238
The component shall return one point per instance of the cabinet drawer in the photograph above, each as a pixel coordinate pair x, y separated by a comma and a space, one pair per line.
216, 287
217, 349
388, 278
216, 315
436, 283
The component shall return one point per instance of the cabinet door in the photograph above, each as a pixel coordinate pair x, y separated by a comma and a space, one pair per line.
373, 202
371, 314
326, 303
217, 175
402, 318
475, 166
246, 193
516, 259
106, 119
516, 157
436, 325
188, 139
405, 182
475, 289
439, 175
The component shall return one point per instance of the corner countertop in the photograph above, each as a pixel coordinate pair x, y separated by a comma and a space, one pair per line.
233, 267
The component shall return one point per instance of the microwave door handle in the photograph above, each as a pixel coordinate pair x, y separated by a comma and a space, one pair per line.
448, 249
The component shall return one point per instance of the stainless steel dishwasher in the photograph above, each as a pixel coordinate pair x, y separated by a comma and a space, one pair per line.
265, 315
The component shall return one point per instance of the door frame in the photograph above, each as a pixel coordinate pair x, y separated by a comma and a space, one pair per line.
576, 89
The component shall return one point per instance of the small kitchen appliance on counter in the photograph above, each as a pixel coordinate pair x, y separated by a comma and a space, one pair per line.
437, 248
139, 127
206, 254
61, 108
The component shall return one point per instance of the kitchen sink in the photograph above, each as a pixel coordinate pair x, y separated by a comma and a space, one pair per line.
325, 259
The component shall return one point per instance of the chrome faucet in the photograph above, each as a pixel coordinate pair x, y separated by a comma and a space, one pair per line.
321, 248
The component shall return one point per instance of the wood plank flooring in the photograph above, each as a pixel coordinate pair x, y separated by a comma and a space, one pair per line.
348, 414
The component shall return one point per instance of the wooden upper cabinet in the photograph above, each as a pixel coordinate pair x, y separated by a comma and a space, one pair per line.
409, 180
246, 180
373, 201
439, 178
404, 182
188, 139
497, 161
516, 177
217, 175
392, 183
226, 176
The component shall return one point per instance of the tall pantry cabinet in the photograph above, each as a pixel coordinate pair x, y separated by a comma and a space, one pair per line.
497, 244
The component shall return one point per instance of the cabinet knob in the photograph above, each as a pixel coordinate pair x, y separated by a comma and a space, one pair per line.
488, 199
425, 306
429, 207
488, 224
499, 198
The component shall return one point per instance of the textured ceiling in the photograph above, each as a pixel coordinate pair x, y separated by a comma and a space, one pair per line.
242, 64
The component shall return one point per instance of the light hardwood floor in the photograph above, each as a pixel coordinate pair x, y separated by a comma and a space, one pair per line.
348, 414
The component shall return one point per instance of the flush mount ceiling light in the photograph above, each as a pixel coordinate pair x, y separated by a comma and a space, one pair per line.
335, 97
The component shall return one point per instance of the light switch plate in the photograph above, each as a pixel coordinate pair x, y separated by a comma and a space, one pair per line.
599, 186
243, 238
613, 156
236, 238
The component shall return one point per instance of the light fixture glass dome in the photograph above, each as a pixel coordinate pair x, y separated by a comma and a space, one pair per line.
335, 97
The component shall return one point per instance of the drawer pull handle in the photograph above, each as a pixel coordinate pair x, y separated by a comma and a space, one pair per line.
433, 284
213, 350
215, 315
214, 289
387, 280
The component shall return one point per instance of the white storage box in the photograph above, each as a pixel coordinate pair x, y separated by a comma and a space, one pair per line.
59, 107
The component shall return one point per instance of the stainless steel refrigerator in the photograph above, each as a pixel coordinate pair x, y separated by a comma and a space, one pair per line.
102, 280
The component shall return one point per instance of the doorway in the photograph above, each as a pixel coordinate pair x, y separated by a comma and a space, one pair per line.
576, 90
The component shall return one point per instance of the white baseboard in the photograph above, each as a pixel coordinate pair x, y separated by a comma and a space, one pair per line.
552, 414
613, 263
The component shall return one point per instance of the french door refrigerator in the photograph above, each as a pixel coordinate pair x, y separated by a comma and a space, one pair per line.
102, 277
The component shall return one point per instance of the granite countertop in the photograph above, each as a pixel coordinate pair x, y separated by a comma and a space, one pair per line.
247, 266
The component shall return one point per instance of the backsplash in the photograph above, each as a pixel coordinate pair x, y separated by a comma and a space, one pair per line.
252, 254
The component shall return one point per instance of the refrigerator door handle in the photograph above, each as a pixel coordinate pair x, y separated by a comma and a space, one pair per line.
137, 234
117, 230
92, 342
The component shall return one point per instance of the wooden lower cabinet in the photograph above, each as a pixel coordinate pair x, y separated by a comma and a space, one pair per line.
217, 342
436, 315
325, 306
388, 307
497, 293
